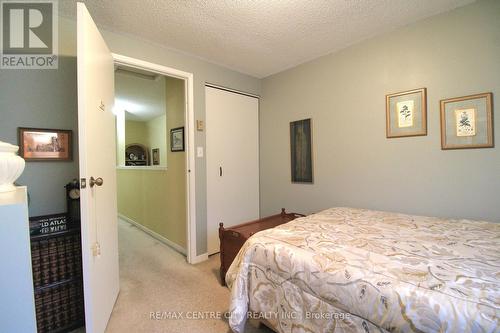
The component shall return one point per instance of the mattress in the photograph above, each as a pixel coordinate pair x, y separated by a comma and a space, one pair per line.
355, 270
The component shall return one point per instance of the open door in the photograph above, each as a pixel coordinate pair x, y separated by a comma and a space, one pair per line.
96, 126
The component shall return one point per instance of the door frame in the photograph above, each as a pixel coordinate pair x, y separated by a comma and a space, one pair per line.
189, 121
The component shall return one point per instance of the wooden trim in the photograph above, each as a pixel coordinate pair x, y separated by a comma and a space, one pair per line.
489, 115
442, 122
423, 132
282, 214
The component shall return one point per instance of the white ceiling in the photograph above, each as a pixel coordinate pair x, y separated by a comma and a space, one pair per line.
258, 37
141, 97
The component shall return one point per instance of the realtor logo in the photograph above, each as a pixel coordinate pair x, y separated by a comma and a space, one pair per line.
29, 34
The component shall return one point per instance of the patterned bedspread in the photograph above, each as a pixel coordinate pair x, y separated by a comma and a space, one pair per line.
353, 270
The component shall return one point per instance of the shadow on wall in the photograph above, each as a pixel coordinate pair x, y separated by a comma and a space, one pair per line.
42, 98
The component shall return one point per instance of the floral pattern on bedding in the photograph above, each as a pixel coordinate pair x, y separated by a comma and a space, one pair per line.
354, 270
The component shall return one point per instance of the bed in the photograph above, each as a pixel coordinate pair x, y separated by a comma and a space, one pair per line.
355, 270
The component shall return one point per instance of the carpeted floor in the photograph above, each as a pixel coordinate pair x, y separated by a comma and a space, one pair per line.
155, 278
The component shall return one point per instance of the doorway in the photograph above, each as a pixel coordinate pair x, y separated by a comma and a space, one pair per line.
156, 159
151, 166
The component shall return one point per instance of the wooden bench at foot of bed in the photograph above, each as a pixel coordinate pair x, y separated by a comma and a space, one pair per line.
233, 238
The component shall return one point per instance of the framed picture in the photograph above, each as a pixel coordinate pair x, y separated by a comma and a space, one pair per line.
466, 122
406, 113
37, 144
156, 156
301, 151
177, 139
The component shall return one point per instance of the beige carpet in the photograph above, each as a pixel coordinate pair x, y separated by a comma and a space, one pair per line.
155, 278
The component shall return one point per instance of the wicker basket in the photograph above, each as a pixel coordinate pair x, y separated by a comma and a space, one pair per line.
57, 278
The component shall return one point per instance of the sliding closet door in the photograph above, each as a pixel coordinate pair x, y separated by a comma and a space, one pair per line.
232, 152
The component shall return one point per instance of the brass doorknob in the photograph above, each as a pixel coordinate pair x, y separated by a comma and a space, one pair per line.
94, 181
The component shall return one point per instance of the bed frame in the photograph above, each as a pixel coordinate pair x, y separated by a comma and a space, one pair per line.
233, 238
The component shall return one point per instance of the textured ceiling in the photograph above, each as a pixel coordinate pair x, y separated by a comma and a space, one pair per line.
258, 37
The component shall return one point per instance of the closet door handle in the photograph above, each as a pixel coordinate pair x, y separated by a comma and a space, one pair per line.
220, 171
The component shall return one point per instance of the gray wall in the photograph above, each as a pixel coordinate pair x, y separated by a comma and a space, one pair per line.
203, 72
44, 99
453, 54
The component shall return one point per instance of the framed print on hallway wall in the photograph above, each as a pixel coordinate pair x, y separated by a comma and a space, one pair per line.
156, 156
301, 151
406, 113
39, 144
177, 139
467, 122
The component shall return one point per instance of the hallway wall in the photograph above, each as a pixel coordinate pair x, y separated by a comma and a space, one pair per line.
156, 198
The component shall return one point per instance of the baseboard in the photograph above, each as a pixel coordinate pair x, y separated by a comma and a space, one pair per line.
155, 235
200, 258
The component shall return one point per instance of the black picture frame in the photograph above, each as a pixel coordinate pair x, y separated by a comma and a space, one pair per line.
301, 151
155, 156
177, 139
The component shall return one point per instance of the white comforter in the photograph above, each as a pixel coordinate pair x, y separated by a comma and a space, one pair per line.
352, 270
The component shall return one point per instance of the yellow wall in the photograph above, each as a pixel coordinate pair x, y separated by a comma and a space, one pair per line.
151, 134
157, 138
135, 132
157, 198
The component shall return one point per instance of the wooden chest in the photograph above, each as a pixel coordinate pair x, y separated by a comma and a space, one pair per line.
233, 238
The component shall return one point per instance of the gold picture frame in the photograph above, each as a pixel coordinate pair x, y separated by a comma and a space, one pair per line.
467, 122
406, 113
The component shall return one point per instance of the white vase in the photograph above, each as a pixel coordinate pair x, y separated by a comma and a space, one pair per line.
11, 166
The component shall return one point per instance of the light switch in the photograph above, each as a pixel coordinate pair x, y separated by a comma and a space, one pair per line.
199, 151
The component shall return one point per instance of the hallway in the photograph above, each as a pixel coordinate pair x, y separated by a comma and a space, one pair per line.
155, 278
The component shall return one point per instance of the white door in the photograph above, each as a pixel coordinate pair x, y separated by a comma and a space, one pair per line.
232, 148
97, 152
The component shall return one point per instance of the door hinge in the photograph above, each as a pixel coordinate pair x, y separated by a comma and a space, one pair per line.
96, 249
